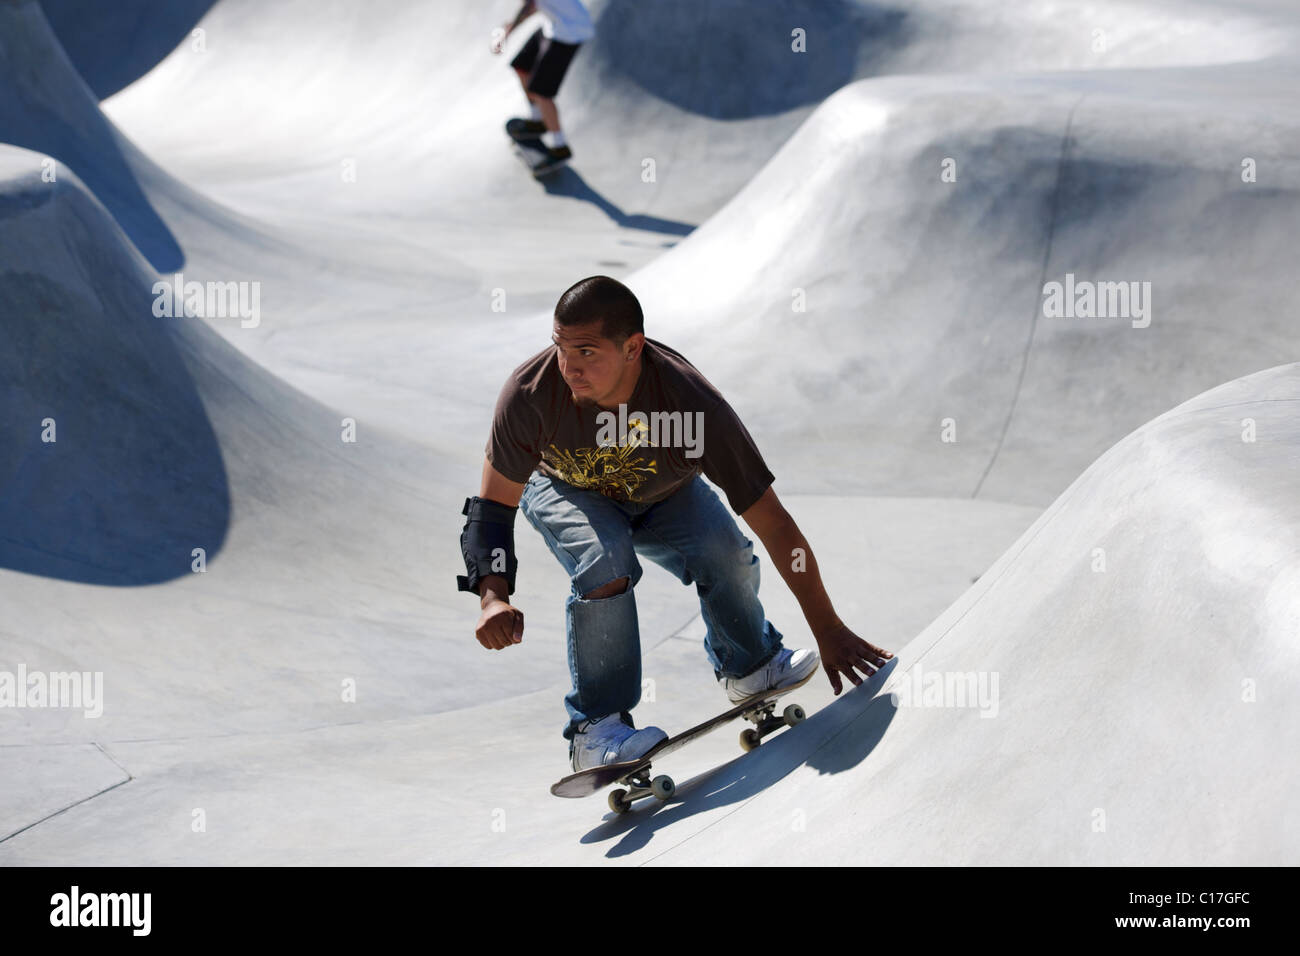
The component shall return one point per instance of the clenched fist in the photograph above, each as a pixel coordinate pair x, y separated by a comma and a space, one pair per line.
500, 625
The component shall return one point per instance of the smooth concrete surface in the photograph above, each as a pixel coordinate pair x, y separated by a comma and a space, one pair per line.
1088, 523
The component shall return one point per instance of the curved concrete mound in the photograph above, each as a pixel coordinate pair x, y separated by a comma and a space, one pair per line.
1116, 689
890, 300
110, 469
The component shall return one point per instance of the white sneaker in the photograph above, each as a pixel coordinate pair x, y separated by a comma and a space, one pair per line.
609, 740
784, 670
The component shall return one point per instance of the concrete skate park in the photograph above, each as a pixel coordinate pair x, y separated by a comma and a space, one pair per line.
248, 524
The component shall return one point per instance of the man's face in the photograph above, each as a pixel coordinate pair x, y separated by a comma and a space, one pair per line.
593, 367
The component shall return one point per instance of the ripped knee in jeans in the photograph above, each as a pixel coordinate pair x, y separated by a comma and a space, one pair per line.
617, 586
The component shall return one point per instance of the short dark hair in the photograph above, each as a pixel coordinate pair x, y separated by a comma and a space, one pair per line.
600, 298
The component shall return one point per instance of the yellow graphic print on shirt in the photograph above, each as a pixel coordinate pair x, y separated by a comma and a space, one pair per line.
610, 470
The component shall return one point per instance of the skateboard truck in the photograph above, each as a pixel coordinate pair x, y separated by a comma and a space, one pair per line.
641, 785
764, 720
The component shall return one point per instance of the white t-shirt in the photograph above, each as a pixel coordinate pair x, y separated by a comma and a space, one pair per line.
566, 20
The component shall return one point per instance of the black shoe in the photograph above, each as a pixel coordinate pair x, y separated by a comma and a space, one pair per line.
521, 130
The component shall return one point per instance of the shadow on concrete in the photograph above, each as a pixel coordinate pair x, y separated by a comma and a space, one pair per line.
568, 182
110, 472
861, 728
114, 44
48, 110
734, 59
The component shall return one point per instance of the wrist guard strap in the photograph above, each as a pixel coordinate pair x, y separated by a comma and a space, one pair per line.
487, 543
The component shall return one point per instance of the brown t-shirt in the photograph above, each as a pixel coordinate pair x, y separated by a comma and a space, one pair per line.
675, 425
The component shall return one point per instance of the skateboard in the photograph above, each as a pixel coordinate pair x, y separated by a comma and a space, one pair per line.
531, 152
533, 155
760, 710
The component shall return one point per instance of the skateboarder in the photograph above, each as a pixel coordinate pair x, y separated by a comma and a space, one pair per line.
600, 440
541, 66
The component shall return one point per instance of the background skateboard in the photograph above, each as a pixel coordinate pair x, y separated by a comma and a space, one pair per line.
533, 154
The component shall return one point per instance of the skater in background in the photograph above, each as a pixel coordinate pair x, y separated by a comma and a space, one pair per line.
541, 66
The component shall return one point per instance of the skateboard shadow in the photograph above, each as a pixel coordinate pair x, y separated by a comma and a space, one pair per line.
568, 182
840, 736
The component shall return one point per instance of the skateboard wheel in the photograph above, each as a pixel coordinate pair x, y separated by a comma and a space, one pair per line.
618, 801
663, 787
793, 715
749, 739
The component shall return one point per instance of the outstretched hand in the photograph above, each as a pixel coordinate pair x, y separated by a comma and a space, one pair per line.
843, 652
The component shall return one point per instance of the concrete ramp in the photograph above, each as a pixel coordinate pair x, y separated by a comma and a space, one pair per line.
863, 284
113, 45
50, 110
1107, 694
110, 468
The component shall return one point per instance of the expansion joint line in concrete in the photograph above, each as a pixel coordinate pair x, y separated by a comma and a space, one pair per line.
1038, 302
51, 816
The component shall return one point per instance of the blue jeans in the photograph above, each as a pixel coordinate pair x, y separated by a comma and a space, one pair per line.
597, 540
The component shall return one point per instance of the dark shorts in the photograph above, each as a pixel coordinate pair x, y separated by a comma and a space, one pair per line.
546, 62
